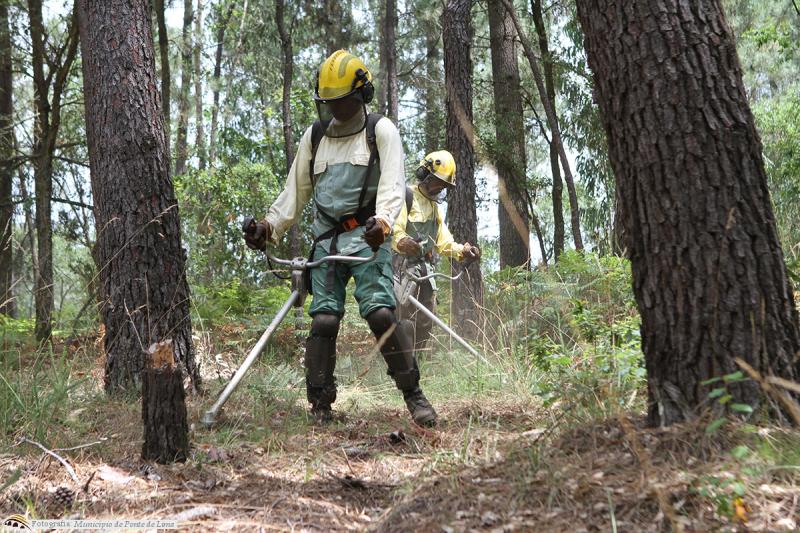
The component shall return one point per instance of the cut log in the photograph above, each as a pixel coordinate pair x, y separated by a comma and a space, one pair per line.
166, 431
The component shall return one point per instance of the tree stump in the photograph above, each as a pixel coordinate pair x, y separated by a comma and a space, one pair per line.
166, 432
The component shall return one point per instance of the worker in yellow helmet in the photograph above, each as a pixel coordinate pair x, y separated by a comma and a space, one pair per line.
420, 234
350, 162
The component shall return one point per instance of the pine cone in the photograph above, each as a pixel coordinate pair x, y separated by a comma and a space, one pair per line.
63, 497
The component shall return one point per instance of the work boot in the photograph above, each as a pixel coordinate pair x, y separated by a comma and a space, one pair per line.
322, 414
420, 408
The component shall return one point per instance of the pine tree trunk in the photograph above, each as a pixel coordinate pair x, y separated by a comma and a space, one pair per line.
166, 430
434, 120
46, 126
163, 49
461, 212
182, 141
287, 67
390, 45
139, 254
200, 140
552, 122
7, 306
222, 26
509, 151
555, 170
708, 270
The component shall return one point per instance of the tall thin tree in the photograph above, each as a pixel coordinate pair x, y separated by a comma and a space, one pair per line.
182, 140
388, 61
548, 65
509, 150
462, 212
223, 19
139, 256
6, 164
200, 139
552, 123
708, 270
46, 127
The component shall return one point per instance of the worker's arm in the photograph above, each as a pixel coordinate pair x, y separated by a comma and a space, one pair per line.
392, 186
445, 243
399, 229
287, 208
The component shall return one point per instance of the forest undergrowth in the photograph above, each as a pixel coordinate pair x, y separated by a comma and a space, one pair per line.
545, 432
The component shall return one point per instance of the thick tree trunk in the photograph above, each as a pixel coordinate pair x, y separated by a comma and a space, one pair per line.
461, 212
708, 270
335, 24
552, 122
389, 103
181, 141
434, 119
7, 306
200, 140
287, 67
509, 152
163, 49
550, 87
140, 258
46, 126
166, 430
222, 26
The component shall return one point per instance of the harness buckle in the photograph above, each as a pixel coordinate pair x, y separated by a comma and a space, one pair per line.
349, 224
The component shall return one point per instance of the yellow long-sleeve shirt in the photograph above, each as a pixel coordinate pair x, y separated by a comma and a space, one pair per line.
423, 210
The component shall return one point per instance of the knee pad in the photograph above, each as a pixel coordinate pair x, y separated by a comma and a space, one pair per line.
325, 325
381, 320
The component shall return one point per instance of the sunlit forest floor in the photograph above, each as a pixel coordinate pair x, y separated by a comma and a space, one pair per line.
546, 434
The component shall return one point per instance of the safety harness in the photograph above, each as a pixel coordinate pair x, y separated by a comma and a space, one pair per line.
351, 221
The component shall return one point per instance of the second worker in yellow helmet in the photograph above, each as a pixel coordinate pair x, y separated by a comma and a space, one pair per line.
420, 233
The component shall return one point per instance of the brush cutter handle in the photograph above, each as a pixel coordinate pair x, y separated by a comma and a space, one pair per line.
418, 279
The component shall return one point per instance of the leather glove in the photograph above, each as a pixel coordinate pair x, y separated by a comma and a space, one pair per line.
410, 247
373, 233
471, 253
256, 238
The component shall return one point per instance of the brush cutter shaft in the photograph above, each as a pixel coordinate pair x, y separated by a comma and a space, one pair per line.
436, 320
432, 275
210, 416
302, 264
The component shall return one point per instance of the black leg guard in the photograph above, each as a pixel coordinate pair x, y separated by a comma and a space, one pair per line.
398, 352
320, 361
397, 349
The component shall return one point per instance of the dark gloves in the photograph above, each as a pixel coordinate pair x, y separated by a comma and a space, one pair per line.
410, 247
470, 253
257, 235
374, 233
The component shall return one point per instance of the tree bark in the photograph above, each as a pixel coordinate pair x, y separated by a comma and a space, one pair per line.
550, 87
287, 68
163, 49
461, 212
434, 119
708, 270
222, 26
7, 306
166, 430
552, 122
509, 150
139, 254
389, 59
200, 140
335, 23
46, 125
181, 141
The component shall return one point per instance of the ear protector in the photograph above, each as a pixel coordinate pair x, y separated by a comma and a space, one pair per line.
367, 90
424, 170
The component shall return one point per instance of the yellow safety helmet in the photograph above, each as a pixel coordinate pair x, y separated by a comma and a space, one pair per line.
341, 75
441, 164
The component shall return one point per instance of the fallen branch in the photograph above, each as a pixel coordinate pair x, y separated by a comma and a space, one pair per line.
95, 443
766, 385
60, 459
